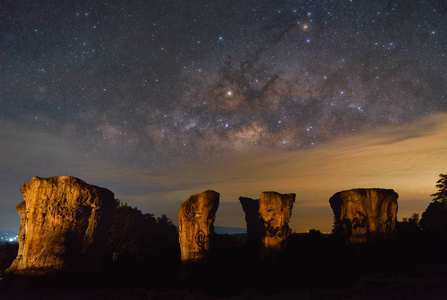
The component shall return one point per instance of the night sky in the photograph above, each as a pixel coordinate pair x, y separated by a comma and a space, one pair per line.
157, 100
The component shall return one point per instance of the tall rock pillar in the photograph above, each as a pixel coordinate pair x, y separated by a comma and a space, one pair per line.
365, 215
64, 223
268, 219
275, 210
196, 225
255, 224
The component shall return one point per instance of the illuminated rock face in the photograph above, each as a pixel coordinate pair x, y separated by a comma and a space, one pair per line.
196, 219
268, 219
64, 223
365, 215
275, 210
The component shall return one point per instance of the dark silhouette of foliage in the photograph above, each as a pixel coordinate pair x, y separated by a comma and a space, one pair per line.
341, 230
336, 227
409, 225
143, 247
410, 240
146, 254
434, 223
8, 251
434, 219
131, 232
441, 185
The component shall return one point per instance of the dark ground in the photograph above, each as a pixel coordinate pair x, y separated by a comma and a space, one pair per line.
312, 267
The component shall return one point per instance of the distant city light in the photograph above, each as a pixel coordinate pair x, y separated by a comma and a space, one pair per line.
8, 237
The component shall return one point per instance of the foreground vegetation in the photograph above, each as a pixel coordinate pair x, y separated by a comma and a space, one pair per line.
143, 253
8, 251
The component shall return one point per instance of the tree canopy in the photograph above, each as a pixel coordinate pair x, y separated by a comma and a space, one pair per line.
434, 219
441, 194
140, 237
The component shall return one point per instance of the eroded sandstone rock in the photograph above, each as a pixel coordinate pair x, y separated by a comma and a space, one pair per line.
276, 209
196, 225
64, 224
365, 215
268, 218
255, 224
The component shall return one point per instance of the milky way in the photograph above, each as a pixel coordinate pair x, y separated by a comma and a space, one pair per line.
159, 82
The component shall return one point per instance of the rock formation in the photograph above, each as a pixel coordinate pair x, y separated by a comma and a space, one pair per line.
255, 224
275, 209
196, 219
268, 218
365, 215
64, 223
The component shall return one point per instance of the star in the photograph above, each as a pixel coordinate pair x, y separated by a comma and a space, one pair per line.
158, 88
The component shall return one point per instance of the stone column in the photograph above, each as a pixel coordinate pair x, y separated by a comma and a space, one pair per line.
196, 225
365, 215
64, 224
268, 219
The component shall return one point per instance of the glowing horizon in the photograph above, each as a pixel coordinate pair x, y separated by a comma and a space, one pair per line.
407, 159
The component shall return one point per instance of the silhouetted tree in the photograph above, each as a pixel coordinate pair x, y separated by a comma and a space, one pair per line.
434, 219
408, 228
164, 250
8, 252
315, 234
414, 219
341, 230
409, 245
409, 224
130, 232
140, 241
441, 194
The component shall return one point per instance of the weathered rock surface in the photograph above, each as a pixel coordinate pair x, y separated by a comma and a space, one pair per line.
64, 224
196, 225
276, 209
365, 215
268, 219
255, 224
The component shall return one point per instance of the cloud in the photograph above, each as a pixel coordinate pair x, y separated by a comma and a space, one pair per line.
407, 159
26, 153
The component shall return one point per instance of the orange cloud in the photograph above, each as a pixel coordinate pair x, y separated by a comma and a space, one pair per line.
407, 159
